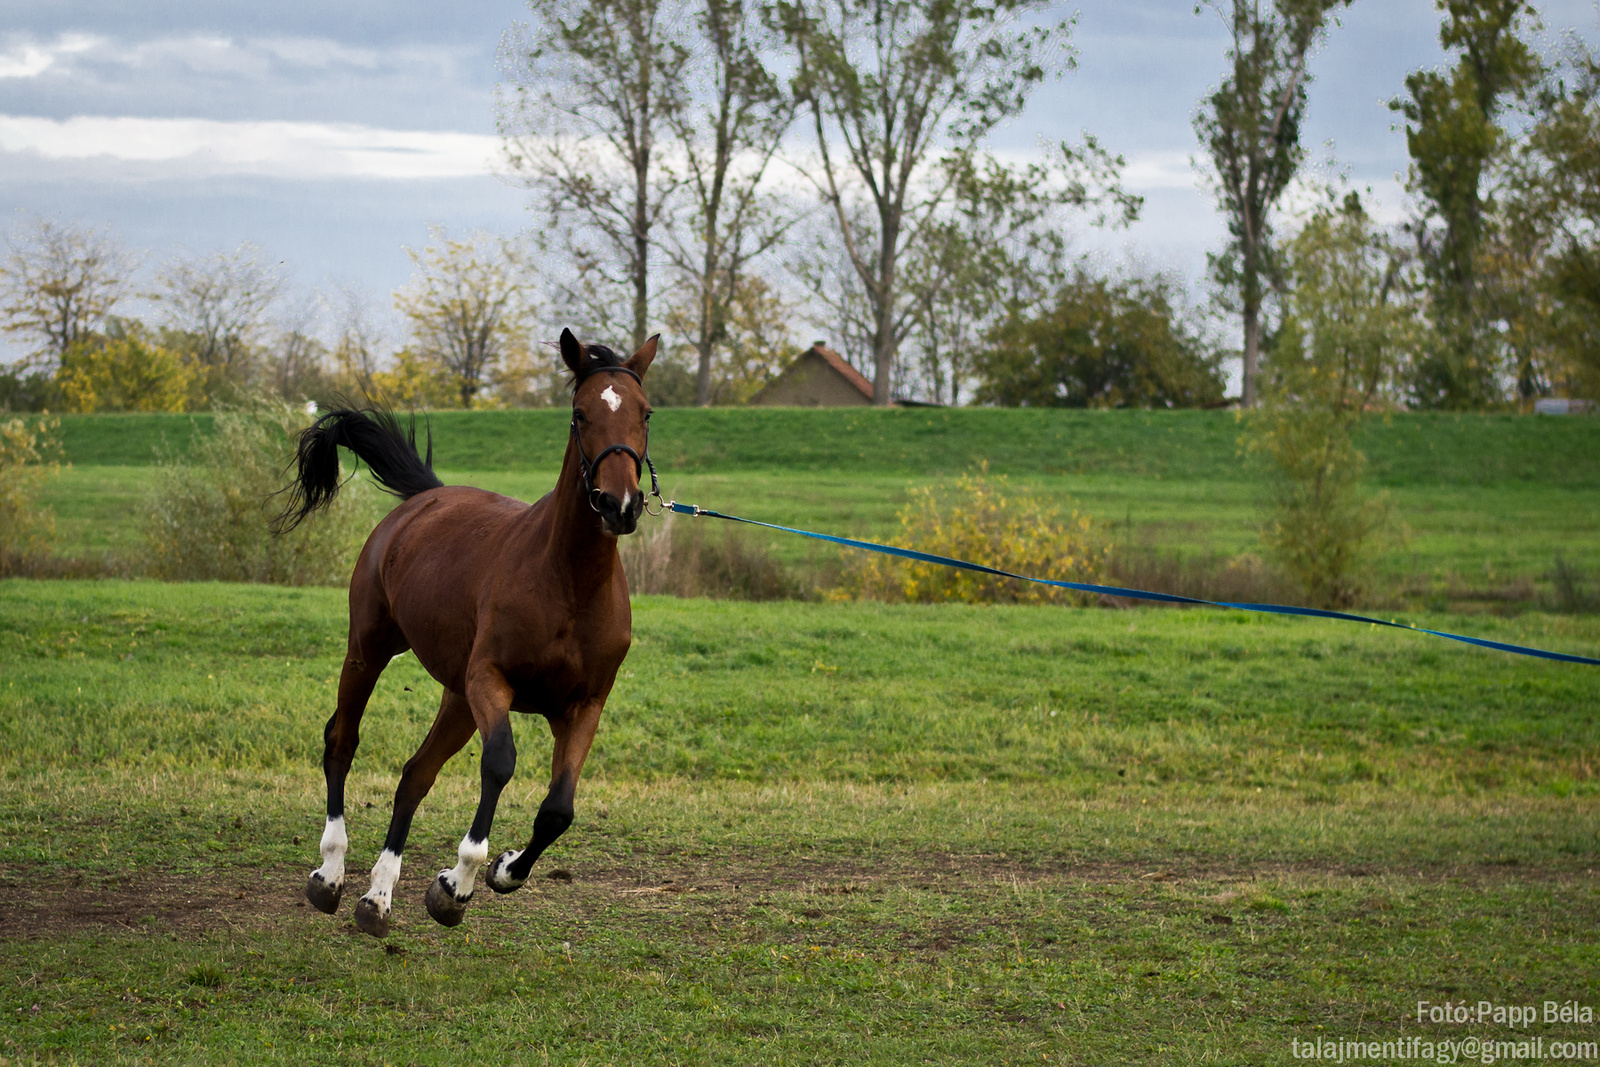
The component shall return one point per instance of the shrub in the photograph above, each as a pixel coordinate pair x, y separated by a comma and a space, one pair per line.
1333, 360
981, 520
29, 451
207, 518
124, 373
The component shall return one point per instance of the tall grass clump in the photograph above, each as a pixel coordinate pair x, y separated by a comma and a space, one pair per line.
29, 456
981, 519
681, 559
207, 517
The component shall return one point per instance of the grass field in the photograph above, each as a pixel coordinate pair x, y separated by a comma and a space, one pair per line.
838, 833
1484, 504
1480, 546
809, 833
1404, 449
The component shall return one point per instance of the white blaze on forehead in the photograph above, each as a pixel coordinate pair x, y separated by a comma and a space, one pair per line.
613, 401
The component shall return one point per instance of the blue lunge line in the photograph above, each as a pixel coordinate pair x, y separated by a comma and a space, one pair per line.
1131, 594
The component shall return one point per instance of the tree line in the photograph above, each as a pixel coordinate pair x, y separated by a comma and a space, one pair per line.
724, 171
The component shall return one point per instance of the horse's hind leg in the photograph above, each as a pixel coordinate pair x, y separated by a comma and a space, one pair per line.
369, 650
451, 730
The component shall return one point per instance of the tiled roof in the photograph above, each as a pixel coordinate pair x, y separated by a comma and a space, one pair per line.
846, 371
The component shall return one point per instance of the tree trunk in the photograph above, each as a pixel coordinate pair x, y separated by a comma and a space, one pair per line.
641, 191
884, 342
1250, 293
641, 258
702, 375
1252, 353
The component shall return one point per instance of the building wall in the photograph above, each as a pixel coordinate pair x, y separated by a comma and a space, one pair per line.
809, 382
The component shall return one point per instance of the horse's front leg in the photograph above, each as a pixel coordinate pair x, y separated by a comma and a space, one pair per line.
490, 696
573, 736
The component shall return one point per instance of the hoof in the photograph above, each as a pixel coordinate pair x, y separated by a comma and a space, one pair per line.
324, 897
368, 921
499, 876
443, 906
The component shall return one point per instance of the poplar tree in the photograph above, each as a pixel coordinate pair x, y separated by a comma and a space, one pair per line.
1454, 137
1250, 127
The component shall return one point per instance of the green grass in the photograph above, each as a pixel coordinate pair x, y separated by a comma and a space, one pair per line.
1486, 537
813, 833
1485, 503
1405, 450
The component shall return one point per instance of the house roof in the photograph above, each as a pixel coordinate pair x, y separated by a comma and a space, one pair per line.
844, 369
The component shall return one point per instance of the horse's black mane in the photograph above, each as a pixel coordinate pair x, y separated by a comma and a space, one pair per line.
599, 356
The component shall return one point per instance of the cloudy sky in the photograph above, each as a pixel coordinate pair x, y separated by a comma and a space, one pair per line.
333, 135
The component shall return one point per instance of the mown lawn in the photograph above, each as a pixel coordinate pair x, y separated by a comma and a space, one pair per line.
809, 833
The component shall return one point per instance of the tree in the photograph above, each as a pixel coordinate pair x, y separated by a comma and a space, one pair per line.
1250, 127
727, 123
59, 284
592, 84
1552, 224
468, 304
1347, 324
297, 365
893, 87
220, 301
754, 342
357, 342
1103, 343
1454, 139
1000, 250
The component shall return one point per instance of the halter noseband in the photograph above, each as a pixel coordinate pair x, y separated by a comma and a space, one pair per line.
588, 466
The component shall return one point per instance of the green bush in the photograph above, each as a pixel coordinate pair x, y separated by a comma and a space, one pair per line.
207, 518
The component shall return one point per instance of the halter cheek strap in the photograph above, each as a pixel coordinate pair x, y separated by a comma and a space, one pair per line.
588, 466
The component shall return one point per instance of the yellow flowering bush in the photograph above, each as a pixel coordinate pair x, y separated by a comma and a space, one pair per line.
981, 519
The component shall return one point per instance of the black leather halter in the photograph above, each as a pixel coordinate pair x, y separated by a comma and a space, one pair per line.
589, 466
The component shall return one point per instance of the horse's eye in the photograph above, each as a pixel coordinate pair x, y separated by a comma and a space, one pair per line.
578, 415
647, 415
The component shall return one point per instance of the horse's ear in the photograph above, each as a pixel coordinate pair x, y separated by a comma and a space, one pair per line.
572, 352
639, 362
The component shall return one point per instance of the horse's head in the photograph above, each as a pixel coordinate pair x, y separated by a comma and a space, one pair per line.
611, 427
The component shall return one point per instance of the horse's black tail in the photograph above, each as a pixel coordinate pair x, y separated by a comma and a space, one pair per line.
374, 435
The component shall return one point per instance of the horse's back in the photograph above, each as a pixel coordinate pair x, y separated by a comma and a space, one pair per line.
424, 565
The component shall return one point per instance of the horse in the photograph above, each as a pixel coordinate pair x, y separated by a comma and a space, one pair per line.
511, 607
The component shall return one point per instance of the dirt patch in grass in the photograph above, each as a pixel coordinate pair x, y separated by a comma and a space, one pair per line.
44, 905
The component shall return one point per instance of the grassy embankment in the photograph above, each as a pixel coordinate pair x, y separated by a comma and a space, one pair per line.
1485, 504
815, 833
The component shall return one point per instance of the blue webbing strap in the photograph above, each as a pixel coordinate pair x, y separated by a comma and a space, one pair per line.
1131, 594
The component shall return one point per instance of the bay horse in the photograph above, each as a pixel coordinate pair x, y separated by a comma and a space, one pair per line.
509, 606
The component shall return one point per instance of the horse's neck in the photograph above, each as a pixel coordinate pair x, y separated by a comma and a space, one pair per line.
575, 533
